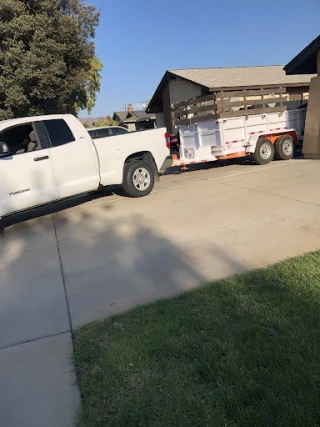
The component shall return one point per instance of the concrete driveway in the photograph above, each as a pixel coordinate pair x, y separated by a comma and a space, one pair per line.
83, 260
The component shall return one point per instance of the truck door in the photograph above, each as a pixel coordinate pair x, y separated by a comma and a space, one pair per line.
26, 175
73, 156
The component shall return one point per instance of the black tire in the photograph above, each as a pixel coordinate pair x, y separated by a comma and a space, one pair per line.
135, 171
284, 147
264, 152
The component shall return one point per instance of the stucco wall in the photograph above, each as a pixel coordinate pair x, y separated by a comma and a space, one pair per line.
311, 143
160, 120
180, 90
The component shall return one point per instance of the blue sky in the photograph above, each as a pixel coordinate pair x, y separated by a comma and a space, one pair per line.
138, 40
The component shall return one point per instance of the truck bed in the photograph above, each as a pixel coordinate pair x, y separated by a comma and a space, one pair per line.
114, 150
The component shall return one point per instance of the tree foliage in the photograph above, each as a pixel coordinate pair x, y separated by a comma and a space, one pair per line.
47, 57
92, 86
107, 121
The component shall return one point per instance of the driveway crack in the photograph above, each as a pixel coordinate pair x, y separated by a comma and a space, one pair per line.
63, 280
33, 340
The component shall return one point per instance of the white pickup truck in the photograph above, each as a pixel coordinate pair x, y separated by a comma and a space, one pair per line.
47, 158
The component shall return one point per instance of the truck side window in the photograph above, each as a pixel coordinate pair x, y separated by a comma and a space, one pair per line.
117, 131
21, 139
102, 133
93, 134
59, 132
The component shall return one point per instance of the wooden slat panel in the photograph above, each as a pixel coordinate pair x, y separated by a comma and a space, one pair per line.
222, 107
269, 100
195, 110
196, 119
216, 110
204, 118
194, 101
252, 112
225, 95
253, 92
228, 114
279, 90
251, 102
234, 94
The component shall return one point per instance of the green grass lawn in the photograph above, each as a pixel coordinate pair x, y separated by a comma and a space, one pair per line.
244, 351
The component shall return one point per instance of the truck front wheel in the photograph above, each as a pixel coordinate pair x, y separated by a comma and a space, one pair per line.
138, 178
264, 152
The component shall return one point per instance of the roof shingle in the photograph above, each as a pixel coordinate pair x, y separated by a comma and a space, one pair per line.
241, 76
121, 114
139, 115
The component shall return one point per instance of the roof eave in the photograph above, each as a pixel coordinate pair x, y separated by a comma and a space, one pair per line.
267, 86
154, 102
309, 53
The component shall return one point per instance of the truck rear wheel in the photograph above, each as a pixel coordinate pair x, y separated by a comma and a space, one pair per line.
264, 152
284, 147
138, 178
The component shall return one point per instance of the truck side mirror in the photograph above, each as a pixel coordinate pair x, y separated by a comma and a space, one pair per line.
4, 150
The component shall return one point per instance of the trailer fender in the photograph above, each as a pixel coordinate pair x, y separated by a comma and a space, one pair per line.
253, 139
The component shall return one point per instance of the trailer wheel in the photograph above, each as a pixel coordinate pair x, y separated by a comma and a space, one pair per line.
264, 152
284, 147
138, 178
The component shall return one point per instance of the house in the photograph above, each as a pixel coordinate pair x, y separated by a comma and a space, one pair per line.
307, 62
180, 85
135, 120
118, 116
90, 122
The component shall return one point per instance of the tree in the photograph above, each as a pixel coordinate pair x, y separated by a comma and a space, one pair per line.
47, 57
107, 121
92, 85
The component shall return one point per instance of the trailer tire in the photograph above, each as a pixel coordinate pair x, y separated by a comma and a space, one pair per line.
264, 152
284, 147
138, 178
